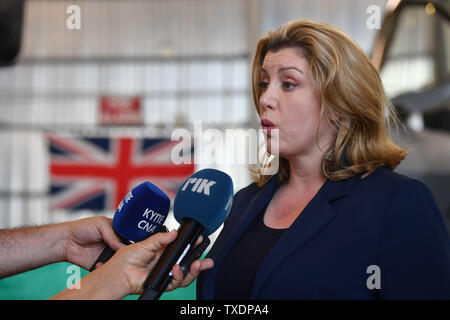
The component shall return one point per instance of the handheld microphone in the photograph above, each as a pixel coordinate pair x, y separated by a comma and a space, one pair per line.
200, 206
139, 215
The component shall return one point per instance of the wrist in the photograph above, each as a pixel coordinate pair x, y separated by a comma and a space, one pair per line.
104, 283
61, 233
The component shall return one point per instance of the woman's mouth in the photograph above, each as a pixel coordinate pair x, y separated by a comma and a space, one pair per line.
267, 125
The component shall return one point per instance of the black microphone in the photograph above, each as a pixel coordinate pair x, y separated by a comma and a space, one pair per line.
139, 215
200, 206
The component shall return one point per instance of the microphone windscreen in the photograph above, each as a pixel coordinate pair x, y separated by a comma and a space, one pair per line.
141, 213
205, 197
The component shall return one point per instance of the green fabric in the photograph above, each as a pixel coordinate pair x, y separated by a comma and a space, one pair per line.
45, 282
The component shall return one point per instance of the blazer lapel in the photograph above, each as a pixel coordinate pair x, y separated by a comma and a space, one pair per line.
314, 217
257, 203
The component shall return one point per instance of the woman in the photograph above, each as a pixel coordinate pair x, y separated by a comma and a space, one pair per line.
335, 222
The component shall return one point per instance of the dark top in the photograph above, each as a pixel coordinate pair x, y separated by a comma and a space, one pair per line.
235, 280
381, 237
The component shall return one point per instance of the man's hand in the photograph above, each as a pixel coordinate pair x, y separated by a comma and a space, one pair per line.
136, 262
86, 239
79, 242
127, 270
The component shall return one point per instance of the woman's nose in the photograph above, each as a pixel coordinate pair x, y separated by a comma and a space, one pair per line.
268, 99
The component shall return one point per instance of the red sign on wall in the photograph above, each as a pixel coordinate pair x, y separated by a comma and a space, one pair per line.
120, 111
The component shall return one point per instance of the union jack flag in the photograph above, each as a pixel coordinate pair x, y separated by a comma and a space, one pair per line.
96, 173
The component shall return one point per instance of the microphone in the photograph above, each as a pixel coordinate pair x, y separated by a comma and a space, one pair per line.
139, 215
200, 206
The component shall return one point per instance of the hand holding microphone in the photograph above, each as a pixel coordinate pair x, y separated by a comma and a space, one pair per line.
201, 205
139, 215
123, 274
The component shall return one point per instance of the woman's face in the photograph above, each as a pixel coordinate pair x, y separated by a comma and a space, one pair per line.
289, 103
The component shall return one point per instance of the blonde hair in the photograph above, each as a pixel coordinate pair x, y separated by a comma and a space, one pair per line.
351, 94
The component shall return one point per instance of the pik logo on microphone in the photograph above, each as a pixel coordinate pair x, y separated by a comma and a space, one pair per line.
199, 185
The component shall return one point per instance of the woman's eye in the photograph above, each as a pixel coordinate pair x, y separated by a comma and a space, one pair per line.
263, 85
289, 85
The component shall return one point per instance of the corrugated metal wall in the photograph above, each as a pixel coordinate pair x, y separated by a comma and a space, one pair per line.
188, 60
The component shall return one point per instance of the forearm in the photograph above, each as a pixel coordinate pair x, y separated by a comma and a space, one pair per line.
104, 283
27, 248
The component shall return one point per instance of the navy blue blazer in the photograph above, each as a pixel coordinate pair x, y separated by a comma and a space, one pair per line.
381, 237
